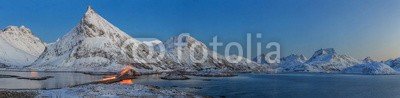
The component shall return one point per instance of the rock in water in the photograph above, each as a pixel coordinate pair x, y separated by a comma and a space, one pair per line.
175, 76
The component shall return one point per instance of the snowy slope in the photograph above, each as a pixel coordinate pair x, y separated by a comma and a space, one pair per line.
188, 58
152, 42
155, 45
245, 64
370, 67
293, 63
327, 60
191, 51
19, 47
323, 60
95, 45
260, 59
395, 64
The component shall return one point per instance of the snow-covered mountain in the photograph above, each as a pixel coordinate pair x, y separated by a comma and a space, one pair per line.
19, 47
260, 59
395, 64
323, 60
370, 67
152, 42
155, 45
293, 63
327, 60
95, 45
247, 65
189, 56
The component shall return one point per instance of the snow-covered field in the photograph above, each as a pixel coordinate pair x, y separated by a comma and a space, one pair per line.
112, 90
116, 90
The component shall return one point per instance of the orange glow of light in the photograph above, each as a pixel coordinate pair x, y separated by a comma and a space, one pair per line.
127, 82
34, 74
108, 78
125, 70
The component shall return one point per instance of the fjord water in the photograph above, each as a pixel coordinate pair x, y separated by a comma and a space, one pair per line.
59, 80
289, 85
244, 85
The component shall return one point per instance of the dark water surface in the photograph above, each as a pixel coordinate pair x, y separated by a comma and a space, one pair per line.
59, 80
243, 85
290, 85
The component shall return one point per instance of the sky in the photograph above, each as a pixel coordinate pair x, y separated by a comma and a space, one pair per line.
360, 28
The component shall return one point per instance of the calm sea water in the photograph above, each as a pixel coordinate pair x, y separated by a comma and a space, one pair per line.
244, 85
290, 85
60, 79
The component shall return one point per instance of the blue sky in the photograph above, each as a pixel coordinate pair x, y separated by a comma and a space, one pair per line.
357, 27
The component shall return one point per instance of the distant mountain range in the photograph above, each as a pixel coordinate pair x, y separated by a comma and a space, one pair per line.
97, 45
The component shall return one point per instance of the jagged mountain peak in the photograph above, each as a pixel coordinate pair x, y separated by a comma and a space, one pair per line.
93, 44
325, 55
295, 57
89, 10
93, 25
325, 51
371, 68
368, 60
22, 38
395, 64
185, 38
328, 60
186, 41
90, 14
293, 62
16, 29
19, 46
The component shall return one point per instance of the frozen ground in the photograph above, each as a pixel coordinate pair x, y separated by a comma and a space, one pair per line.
100, 90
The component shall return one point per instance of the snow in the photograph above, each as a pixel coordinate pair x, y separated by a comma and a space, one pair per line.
248, 65
323, 60
370, 67
152, 42
97, 45
293, 63
94, 45
185, 57
327, 60
260, 59
112, 90
395, 64
19, 47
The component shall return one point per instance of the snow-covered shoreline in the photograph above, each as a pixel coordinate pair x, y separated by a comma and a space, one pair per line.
101, 90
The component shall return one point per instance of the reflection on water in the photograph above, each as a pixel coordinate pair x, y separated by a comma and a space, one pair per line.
34, 74
288, 85
60, 79
244, 85
127, 82
109, 77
